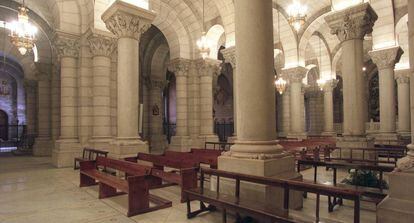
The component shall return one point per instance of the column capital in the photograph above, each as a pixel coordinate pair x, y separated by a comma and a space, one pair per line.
330, 85
229, 55
294, 74
402, 76
352, 23
101, 45
208, 67
386, 58
127, 20
67, 45
179, 66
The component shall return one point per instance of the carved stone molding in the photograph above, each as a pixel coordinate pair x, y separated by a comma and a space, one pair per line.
352, 23
67, 46
101, 45
154, 84
330, 85
229, 55
208, 67
126, 20
386, 58
295, 74
179, 66
402, 76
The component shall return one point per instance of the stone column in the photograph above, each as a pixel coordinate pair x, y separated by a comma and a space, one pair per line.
101, 47
351, 25
207, 68
256, 151
180, 67
399, 204
43, 143
328, 88
128, 22
31, 113
229, 55
403, 88
55, 102
158, 139
295, 77
67, 147
385, 59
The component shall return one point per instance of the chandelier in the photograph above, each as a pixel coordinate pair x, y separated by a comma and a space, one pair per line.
22, 33
280, 85
297, 15
203, 43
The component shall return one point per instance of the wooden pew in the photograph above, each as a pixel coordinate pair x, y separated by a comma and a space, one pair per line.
223, 146
257, 209
136, 184
89, 154
185, 176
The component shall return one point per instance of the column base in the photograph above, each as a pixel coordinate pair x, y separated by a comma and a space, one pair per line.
125, 147
299, 136
333, 134
180, 144
158, 144
280, 168
405, 134
42, 147
232, 139
65, 151
399, 204
387, 139
101, 143
356, 142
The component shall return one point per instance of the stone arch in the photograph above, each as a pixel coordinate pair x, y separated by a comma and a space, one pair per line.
401, 30
226, 11
385, 12
214, 34
287, 38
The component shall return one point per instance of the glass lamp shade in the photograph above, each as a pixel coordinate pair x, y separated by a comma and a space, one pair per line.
297, 15
204, 45
22, 33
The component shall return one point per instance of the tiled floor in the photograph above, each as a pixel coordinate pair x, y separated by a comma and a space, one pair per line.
31, 190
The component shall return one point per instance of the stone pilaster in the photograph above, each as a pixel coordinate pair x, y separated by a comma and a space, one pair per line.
385, 59
67, 147
180, 67
158, 141
30, 88
256, 150
102, 47
55, 102
295, 76
43, 144
328, 107
128, 23
207, 70
350, 26
403, 88
229, 55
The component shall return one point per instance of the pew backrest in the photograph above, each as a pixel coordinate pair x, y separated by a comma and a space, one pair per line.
130, 168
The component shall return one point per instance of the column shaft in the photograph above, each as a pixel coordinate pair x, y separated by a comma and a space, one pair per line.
182, 105
328, 111
403, 88
68, 102
296, 125
43, 105
206, 104
101, 97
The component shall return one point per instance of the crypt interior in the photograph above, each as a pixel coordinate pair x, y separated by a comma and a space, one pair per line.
248, 110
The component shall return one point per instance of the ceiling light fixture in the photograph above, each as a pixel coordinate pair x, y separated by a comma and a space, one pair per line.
204, 43
297, 14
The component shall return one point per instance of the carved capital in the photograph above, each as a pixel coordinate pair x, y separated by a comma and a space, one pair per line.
295, 74
67, 46
208, 67
402, 76
127, 20
179, 66
352, 23
386, 58
229, 55
330, 85
101, 45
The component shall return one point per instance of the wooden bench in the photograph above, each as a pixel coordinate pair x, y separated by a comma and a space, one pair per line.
374, 156
374, 195
89, 154
198, 156
238, 204
184, 173
136, 184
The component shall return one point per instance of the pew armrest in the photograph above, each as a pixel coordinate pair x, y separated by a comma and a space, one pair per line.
87, 165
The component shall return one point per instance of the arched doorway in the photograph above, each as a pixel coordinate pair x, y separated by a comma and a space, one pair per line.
4, 125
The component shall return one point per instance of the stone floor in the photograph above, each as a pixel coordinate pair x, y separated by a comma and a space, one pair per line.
32, 190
